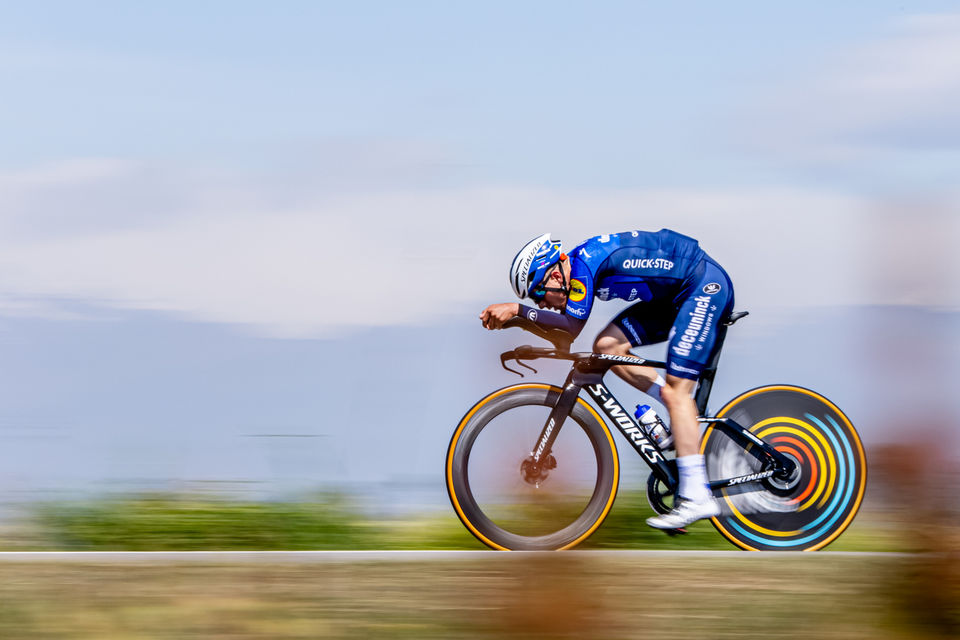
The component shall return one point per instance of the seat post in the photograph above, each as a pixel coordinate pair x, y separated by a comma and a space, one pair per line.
708, 374
706, 378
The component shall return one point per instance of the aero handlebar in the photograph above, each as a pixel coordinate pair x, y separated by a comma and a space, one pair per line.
558, 337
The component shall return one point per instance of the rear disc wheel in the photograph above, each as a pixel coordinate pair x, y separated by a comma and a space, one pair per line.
802, 511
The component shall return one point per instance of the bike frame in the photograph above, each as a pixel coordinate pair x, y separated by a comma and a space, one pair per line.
587, 373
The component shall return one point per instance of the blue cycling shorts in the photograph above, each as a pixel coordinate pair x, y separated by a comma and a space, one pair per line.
688, 322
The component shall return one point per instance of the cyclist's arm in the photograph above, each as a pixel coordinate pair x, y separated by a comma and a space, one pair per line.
551, 320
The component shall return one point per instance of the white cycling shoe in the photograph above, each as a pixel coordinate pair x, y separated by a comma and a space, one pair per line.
685, 512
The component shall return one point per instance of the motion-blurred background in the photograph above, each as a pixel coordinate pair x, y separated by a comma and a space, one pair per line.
243, 246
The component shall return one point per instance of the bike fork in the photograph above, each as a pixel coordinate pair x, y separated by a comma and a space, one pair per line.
550, 431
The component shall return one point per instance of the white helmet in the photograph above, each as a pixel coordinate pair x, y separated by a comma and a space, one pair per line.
532, 264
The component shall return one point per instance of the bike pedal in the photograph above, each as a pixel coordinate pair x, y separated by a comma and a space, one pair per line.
675, 532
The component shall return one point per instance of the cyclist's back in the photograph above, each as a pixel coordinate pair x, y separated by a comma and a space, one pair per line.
633, 265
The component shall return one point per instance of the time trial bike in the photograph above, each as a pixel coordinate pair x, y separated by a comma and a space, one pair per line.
533, 466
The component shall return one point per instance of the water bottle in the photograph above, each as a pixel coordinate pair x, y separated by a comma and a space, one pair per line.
654, 426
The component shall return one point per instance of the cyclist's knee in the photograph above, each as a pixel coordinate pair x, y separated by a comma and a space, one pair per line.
668, 394
606, 343
676, 390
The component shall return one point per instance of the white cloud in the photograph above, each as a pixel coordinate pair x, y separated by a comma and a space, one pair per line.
17, 307
79, 171
406, 257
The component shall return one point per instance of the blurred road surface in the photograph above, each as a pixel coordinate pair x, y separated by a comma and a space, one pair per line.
305, 557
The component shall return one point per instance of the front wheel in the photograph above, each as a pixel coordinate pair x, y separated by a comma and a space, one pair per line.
810, 508
509, 503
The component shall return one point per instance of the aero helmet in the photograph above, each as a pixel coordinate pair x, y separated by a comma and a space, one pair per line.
532, 263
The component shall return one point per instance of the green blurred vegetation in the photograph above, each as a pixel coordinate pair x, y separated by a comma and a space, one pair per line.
165, 521
189, 522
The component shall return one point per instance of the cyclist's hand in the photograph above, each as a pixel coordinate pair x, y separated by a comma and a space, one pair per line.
495, 315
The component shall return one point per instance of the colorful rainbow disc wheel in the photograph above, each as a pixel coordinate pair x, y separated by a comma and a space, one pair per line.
808, 510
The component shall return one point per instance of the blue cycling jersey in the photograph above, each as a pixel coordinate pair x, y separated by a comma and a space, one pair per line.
633, 265
680, 294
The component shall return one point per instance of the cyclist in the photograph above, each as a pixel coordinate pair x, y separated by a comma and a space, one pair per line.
681, 296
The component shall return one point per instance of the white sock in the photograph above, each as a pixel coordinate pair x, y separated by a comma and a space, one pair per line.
654, 390
693, 478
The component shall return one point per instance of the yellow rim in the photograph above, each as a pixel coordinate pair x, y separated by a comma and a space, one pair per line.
854, 436
497, 394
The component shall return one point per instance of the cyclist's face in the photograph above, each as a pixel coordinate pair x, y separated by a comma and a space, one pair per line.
551, 299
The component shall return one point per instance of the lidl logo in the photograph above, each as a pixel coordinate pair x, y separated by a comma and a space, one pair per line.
577, 291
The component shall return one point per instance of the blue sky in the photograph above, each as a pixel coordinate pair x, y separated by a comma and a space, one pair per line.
206, 208
580, 94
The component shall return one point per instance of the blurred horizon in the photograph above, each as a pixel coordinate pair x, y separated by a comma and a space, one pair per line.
262, 423
244, 247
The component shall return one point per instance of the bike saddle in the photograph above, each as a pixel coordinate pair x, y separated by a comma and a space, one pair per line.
736, 315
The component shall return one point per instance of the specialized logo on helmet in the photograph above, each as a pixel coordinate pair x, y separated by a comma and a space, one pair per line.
577, 291
526, 265
531, 263
711, 288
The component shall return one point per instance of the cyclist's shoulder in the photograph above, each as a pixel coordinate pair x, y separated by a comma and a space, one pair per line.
595, 250
652, 238
594, 254
610, 242
663, 243
676, 236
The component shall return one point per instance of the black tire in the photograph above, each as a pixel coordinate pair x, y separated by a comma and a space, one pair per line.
802, 513
584, 448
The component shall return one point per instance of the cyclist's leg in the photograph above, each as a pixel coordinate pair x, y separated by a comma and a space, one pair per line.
695, 500
693, 340
611, 340
706, 303
677, 397
639, 324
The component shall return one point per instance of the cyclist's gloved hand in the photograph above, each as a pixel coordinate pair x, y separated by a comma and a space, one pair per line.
495, 315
